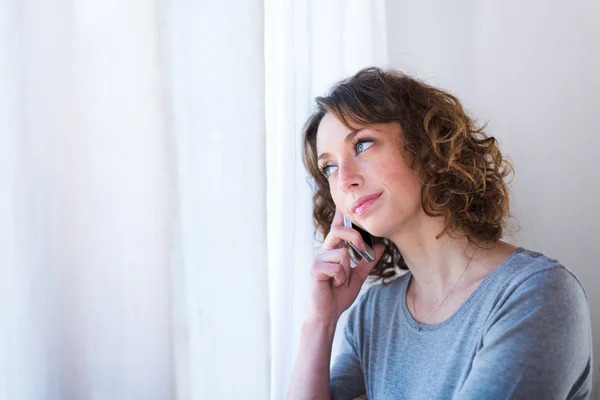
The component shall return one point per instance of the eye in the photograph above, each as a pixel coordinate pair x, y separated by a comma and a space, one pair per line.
362, 145
327, 170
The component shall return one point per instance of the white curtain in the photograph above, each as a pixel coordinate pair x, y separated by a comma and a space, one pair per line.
156, 225
215, 54
85, 286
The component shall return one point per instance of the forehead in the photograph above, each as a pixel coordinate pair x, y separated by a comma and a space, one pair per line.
331, 130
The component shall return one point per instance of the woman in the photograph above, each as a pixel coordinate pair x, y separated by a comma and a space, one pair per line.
474, 317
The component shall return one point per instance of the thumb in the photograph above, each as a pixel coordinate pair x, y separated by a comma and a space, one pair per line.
363, 268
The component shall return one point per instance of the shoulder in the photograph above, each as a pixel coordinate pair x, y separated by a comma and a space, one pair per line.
539, 289
532, 272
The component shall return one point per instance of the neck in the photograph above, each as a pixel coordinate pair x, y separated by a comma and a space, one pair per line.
435, 264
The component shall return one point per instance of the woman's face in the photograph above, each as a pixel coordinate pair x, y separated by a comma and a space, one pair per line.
369, 177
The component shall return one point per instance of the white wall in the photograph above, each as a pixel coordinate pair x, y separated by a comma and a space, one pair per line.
532, 69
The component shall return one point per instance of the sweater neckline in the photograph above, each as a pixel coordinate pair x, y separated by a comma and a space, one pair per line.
418, 327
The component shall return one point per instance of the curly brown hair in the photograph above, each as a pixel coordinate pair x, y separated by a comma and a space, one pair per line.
461, 168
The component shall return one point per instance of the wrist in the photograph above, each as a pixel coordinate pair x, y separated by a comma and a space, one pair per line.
320, 322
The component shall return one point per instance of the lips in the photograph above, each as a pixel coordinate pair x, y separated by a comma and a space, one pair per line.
362, 204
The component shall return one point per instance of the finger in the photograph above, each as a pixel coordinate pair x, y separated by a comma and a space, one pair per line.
338, 235
324, 271
346, 266
338, 218
340, 256
362, 269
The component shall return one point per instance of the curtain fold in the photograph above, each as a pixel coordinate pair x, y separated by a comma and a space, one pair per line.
221, 294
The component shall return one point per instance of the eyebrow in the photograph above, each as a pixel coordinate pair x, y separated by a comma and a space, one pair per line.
348, 139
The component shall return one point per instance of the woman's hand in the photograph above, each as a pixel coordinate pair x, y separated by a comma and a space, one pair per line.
335, 285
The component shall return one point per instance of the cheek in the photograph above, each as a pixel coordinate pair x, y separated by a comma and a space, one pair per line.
400, 179
336, 196
395, 172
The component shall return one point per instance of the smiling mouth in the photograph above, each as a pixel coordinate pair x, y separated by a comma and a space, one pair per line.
364, 203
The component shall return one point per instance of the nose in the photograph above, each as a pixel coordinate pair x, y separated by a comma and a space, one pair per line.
349, 176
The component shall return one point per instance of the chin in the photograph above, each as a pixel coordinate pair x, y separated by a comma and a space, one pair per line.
376, 228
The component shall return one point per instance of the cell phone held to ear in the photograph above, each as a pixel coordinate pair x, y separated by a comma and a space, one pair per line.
369, 253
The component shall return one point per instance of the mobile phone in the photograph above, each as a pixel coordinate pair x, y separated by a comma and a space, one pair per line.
368, 254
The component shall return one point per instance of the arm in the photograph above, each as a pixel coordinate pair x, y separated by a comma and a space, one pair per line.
310, 379
334, 287
538, 344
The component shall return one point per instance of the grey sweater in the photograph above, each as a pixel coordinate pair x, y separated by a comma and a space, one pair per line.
524, 333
